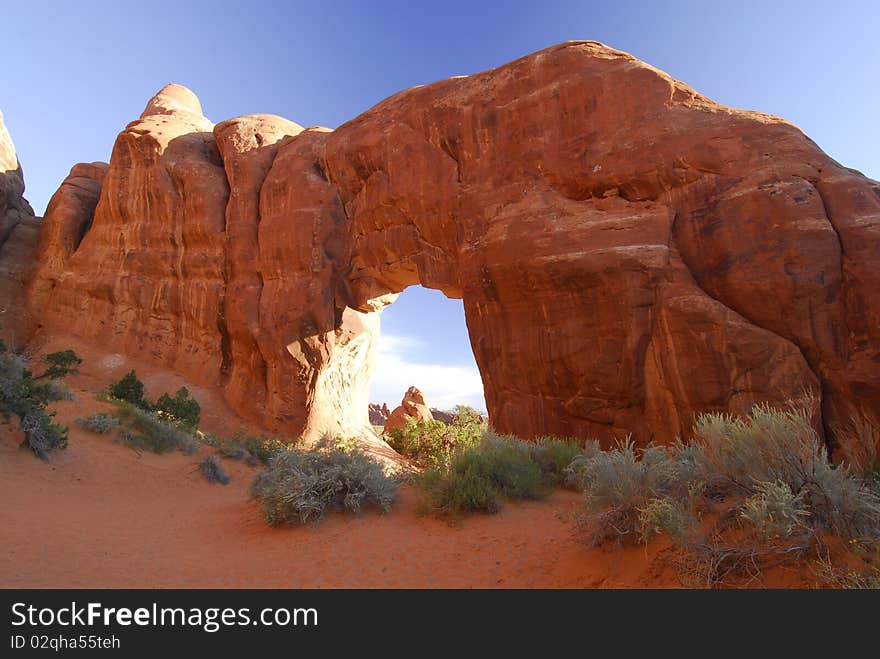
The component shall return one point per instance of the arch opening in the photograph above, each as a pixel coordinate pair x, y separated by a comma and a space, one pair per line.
424, 342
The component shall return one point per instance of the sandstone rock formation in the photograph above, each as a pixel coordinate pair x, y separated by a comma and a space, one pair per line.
18, 236
629, 252
378, 414
72, 209
412, 406
440, 415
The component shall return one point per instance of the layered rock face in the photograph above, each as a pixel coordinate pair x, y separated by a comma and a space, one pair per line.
18, 237
629, 252
412, 406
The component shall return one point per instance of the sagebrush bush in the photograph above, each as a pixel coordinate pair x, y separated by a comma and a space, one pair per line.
859, 440
781, 446
147, 431
768, 445
766, 478
41, 434
300, 486
212, 471
665, 516
617, 483
774, 510
99, 423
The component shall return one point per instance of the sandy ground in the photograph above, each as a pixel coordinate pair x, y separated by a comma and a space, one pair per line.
101, 515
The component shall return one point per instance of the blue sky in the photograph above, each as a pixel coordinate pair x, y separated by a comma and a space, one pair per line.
75, 73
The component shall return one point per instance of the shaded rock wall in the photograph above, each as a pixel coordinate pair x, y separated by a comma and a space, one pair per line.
18, 238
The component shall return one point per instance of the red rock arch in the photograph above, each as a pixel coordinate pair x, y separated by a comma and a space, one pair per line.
628, 252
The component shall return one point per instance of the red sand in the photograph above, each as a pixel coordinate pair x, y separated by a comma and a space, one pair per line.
101, 515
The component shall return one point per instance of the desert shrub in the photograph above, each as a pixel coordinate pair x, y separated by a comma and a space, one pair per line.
510, 465
41, 434
478, 475
99, 423
665, 516
768, 445
619, 482
61, 364
254, 450
859, 440
129, 389
181, 409
232, 450
264, 449
300, 486
774, 510
147, 431
212, 470
555, 454
432, 443
26, 397
467, 418
462, 489
780, 446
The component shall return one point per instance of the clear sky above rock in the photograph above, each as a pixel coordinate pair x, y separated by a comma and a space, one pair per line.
75, 73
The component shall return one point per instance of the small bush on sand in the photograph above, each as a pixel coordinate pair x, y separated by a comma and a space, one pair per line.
99, 423
476, 476
129, 389
300, 486
462, 489
213, 471
620, 482
26, 397
41, 434
181, 409
145, 430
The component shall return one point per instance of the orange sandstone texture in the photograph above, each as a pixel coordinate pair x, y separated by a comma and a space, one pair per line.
629, 252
